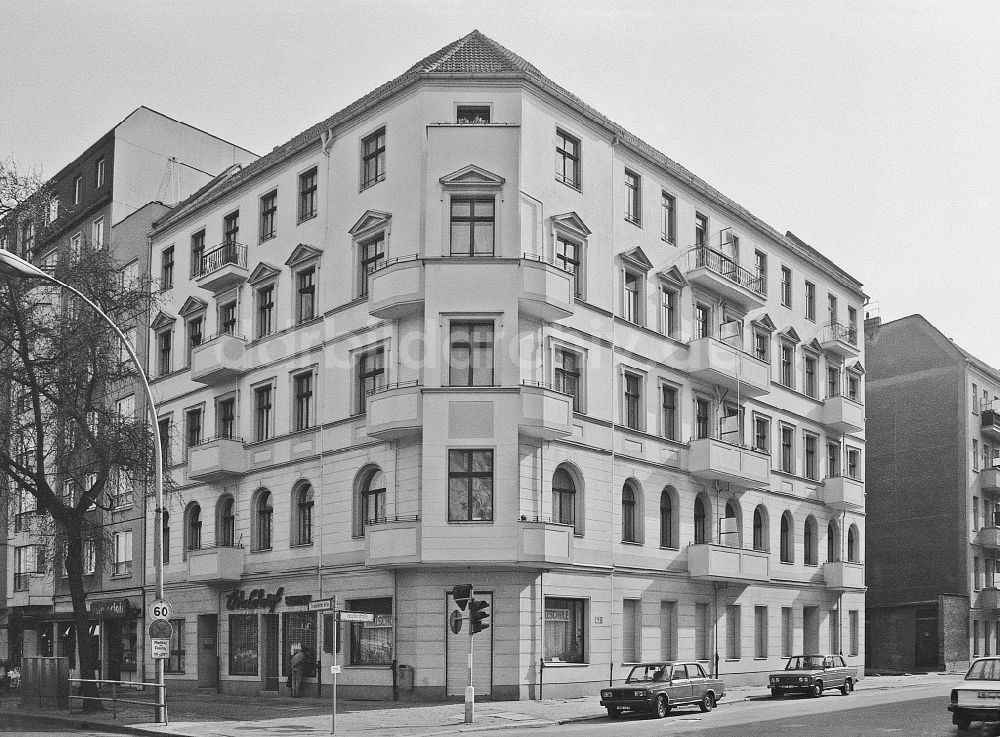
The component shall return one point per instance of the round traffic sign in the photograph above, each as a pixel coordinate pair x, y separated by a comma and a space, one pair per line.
161, 630
160, 609
455, 620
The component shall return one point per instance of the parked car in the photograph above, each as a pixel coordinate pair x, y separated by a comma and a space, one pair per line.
813, 674
659, 687
977, 699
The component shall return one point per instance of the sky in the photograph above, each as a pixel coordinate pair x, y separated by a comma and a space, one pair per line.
870, 129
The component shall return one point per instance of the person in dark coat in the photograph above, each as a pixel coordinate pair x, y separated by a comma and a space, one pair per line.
297, 664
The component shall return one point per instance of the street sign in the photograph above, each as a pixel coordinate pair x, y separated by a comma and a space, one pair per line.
160, 609
355, 616
334, 670
316, 606
161, 630
159, 649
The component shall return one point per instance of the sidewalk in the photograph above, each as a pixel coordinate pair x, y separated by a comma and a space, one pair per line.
220, 715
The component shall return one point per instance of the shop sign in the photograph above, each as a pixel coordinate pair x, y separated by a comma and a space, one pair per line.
257, 599
300, 600
110, 608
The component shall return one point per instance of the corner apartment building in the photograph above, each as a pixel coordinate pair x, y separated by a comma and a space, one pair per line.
102, 199
933, 499
403, 351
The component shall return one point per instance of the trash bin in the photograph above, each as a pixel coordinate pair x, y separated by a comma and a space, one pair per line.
405, 675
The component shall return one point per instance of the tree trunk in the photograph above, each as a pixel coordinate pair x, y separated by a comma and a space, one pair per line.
84, 645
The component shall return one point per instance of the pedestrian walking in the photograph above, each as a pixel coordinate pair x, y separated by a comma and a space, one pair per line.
298, 664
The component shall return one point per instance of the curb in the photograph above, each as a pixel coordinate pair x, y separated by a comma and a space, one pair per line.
83, 723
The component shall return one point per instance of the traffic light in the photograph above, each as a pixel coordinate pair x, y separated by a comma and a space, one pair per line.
478, 615
462, 594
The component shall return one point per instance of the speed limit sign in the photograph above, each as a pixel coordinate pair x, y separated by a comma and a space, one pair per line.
160, 609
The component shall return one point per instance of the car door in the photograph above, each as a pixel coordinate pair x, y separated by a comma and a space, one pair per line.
833, 677
680, 685
699, 681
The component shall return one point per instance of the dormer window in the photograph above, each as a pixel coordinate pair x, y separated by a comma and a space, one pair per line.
473, 114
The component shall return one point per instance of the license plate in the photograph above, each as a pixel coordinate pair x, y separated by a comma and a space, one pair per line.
989, 694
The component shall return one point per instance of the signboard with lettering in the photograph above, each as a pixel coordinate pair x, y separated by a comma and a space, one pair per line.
159, 649
110, 608
316, 606
257, 599
356, 616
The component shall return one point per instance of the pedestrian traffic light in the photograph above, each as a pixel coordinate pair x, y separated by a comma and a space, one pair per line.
462, 594
478, 615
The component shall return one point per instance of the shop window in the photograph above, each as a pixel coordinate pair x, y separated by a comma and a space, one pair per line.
244, 651
564, 630
299, 628
371, 642
127, 639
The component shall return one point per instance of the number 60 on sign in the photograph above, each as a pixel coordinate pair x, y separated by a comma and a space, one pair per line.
160, 609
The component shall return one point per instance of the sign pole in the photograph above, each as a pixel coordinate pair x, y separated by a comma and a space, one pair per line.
334, 670
470, 690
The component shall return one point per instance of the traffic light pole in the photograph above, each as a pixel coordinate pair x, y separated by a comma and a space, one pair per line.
470, 690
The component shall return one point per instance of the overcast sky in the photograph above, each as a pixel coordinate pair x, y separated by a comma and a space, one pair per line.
869, 129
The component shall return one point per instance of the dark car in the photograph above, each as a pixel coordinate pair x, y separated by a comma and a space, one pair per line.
977, 698
659, 687
813, 674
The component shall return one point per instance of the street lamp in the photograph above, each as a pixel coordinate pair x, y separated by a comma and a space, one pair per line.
28, 270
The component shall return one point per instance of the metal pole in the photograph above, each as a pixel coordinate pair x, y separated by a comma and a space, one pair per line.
470, 690
333, 671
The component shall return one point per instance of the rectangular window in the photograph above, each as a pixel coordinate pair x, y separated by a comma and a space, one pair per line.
164, 342
702, 321
90, 557
569, 257
472, 232
373, 158
305, 295
265, 310
809, 364
786, 286
472, 114
262, 397
854, 463
854, 644
470, 485
565, 631
371, 254
195, 327
700, 229
786, 377
702, 409
231, 228
268, 212
702, 632
832, 381
471, 354
631, 302
77, 190
371, 642
76, 245
762, 434
812, 462
762, 346
668, 312
760, 631
567, 376
833, 460
123, 553
810, 301
299, 628
244, 648
631, 611
167, 268
668, 208
371, 376
302, 388
668, 630
99, 174
28, 237
175, 663
786, 631
669, 404
567, 159
193, 425
975, 399
975, 454
852, 326
632, 401
225, 418
227, 318
760, 269
307, 195
98, 233
854, 388
977, 573
831, 308
633, 197
787, 449
198, 253
733, 631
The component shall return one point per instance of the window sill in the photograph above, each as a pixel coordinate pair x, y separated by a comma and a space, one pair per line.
636, 223
670, 547
300, 545
121, 575
262, 550
265, 239
369, 185
572, 185
470, 522
563, 664
632, 542
307, 218
373, 666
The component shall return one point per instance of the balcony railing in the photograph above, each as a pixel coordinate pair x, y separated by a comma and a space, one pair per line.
846, 333
222, 255
703, 257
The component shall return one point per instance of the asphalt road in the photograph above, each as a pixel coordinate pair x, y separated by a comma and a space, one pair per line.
9, 726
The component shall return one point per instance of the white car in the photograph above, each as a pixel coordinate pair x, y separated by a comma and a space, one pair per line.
977, 699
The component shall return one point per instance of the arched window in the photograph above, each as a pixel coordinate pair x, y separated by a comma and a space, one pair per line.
668, 538
852, 544
760, 528
264, 520
809, 542
563, 497
786, 552
699, 521
226, 535
730, 532
373, 499
832, 541
628, 514
304, 515
193, 527
165, 536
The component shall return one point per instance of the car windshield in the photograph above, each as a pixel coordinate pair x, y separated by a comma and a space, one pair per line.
984, 670
804, 662
647, 674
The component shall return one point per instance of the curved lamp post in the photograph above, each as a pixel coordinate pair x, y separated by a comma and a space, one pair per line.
17, 265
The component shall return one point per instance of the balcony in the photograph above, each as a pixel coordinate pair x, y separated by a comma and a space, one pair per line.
843, 492
843, 414
988, 537
989, 479
844, 576
716, 362
545, 412
717, 272
841, 340
715, 460
395, 411
30, 589
393, 542
219, 566
990, 423
217, 459
396, 288
223, 267
988, 598
712, 562
545, 290
541, 543
219, 359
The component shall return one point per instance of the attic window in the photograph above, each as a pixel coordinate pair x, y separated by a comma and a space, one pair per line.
473, 114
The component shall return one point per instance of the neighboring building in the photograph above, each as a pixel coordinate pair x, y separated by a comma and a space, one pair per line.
96, 202
625, 409
933, 481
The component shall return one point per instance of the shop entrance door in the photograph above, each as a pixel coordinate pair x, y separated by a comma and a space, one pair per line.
208, 651
269, 671
113, 637
458, 654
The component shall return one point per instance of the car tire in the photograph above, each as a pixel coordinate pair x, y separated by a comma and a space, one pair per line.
962, 722
662, 708
776, 693
613, 712
847, 687
707, 702
817, 690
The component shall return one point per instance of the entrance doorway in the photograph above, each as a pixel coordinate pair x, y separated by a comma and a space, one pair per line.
208, 651
926, 646
269, 671
810, 629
